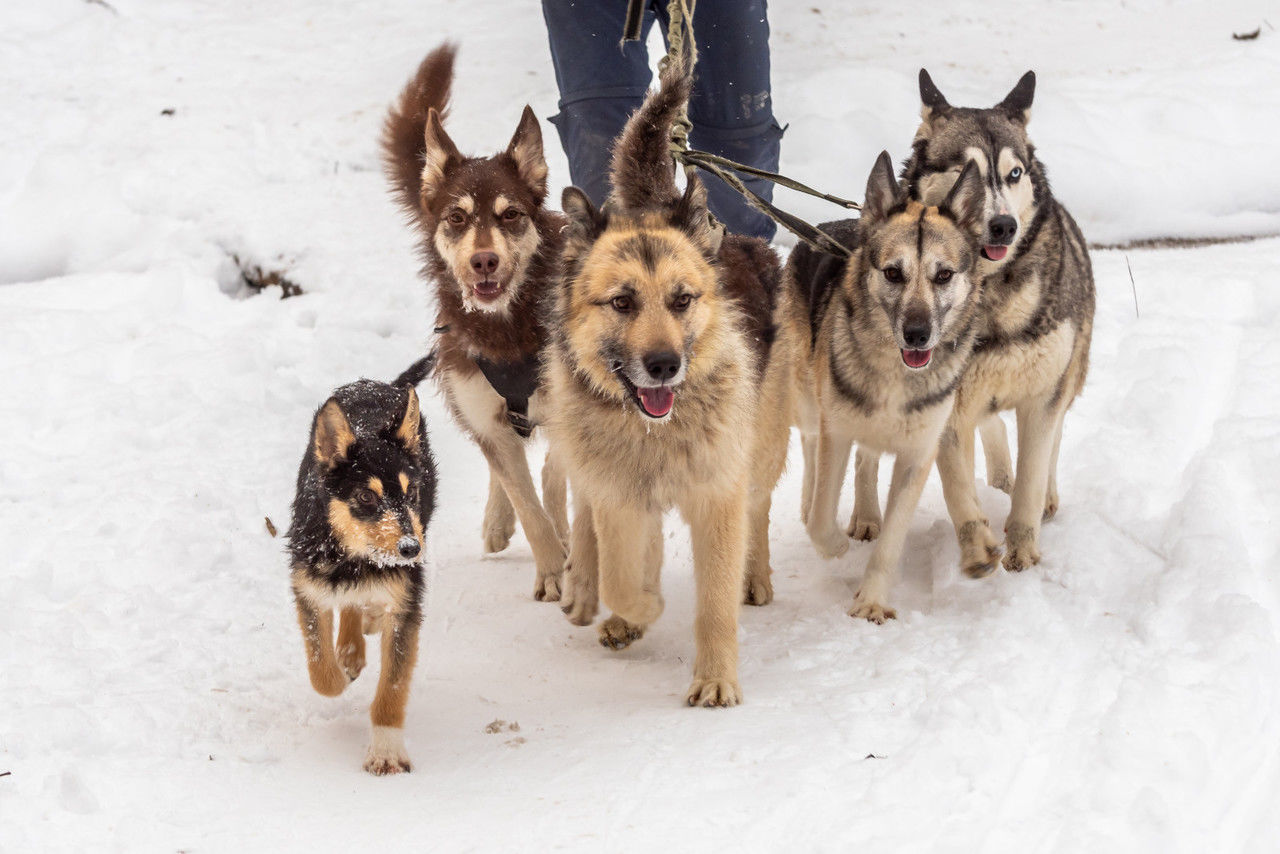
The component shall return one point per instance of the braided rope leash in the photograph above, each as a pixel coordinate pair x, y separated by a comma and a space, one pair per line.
680, 28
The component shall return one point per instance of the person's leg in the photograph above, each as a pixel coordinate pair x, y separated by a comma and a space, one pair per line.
732, 105
600, 83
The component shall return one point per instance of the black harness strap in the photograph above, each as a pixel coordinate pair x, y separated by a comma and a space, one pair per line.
515, 382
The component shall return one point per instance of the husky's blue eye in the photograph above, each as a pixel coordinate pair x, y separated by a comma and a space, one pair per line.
1016, 173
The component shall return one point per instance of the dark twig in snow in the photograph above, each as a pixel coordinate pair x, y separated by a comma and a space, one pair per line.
104, 4
271, 528
1134, 286
1247, 37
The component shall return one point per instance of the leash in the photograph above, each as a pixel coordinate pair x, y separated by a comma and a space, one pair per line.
680, 28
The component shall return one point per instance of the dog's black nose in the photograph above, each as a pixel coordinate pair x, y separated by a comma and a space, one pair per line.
916, 334
408, 547
484, 263
1002, 229
662, 366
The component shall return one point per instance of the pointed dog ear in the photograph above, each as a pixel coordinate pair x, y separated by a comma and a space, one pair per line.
585, 222
526, 150
333, 434
882, 189
967, 200
1017, 104
407, 433
932, 102
691, 216
438, 153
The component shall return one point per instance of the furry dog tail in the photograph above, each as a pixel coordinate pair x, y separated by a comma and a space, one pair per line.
404, 131
643, 173
417, 372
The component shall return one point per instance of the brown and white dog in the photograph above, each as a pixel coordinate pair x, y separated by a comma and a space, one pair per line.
672, 388
492, 250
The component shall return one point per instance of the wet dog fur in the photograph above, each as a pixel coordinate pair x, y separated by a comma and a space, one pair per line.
492, 249
365, 495
672, 388
888, 336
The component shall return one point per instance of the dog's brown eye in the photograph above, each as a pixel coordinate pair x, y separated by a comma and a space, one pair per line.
457, 217
682, 302
622, 305
510, 215
942, 278
366, 497
893, 275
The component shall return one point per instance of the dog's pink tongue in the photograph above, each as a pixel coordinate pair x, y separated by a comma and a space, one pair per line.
657, 401
916, 358
995, 253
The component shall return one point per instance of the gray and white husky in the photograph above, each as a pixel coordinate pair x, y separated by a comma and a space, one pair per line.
1035, 320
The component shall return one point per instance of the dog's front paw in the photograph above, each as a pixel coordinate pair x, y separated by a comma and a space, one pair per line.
578, 600
757, 588
1023, 551
617, 633
864, 529
831, 543
386, 752
979, 549
867, 608
351, 659
709, 693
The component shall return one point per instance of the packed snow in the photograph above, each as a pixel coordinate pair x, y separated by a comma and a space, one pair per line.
1123, 695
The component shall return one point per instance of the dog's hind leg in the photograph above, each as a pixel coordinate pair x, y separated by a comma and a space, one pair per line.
1051, 493
979, 548
866, 521
387, 753
1038, 428
499, 517
555, 495
717, 525
351, 641
505, 453
317, 636
581, 594
809, 451
995, 447
910, 471
830, 464
626, 539
768, 461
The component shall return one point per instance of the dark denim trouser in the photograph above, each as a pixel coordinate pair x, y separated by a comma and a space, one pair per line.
601, 83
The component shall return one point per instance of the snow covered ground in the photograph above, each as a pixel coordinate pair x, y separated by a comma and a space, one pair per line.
1125, 695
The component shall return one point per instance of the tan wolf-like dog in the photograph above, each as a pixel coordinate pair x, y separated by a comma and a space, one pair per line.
492, 249
1035, 321
671, 389
891, 336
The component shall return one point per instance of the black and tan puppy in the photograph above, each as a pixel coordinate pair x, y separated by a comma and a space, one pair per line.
366, 491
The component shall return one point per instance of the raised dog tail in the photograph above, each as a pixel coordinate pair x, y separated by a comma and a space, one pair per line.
404, 131
643, 173
417, 372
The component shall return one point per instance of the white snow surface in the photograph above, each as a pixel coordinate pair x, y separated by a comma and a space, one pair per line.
1123, 695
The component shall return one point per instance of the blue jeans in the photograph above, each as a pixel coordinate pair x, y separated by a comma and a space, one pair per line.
601, 82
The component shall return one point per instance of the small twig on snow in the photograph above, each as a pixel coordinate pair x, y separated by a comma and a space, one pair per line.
1247, 37
1134, 286
104, 4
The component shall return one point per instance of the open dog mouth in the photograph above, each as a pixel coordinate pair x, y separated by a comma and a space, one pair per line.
654, 401
994, 252
916, 358
487, 289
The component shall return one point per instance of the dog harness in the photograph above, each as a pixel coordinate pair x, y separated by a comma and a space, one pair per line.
515, 382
